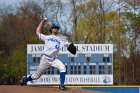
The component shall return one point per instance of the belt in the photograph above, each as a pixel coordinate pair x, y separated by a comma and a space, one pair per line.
48, 57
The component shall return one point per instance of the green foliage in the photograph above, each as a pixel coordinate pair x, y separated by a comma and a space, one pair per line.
121, 28
14, 66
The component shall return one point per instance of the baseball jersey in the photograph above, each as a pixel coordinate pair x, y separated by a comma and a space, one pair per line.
53, 44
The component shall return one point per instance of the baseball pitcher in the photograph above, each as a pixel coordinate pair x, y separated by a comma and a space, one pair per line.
53, 44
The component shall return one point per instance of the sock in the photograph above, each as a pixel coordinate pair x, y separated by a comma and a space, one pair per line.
62, 78
28, 79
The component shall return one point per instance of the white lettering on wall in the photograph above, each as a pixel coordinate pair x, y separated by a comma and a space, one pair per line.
82, 48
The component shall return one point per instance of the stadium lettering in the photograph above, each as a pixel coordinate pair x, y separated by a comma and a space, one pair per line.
83, 79
90, 79
72, 79
99, 48
33, 67
36, 48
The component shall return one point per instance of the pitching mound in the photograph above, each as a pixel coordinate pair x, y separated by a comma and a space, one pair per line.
39, 89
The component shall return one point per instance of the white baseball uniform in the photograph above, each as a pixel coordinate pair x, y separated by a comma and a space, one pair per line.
53, 44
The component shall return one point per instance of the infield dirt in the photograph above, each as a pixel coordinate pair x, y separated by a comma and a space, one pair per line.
40, 89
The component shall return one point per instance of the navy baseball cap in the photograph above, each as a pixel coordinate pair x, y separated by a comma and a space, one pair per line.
55, 26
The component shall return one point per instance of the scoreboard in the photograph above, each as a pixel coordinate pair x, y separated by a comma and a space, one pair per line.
92, 65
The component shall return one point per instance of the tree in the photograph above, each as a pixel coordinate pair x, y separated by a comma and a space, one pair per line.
17, 29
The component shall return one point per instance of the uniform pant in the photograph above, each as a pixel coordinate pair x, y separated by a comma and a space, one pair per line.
45, 63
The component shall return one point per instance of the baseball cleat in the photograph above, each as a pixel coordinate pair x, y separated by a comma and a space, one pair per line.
22, 81
62, 87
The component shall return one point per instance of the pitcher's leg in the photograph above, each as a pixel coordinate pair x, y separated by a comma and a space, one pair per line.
58, 64
61, 67
41, 69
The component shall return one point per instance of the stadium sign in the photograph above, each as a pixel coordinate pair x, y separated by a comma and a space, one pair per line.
92, 65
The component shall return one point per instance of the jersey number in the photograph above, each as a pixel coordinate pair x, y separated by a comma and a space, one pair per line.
57, 47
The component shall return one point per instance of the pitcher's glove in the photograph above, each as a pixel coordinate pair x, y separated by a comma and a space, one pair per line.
72, 49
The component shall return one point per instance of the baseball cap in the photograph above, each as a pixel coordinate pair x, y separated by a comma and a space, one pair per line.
55, 26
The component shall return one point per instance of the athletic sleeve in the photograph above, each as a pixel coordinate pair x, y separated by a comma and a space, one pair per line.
42, 37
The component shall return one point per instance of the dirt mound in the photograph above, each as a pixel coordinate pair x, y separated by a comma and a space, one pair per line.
39, 89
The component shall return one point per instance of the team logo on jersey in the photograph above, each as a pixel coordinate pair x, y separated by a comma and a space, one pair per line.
54, 40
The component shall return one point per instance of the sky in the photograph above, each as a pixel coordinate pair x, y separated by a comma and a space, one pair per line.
16, 1
9, 1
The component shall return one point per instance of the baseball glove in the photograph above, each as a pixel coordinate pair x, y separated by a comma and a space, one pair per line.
72, 49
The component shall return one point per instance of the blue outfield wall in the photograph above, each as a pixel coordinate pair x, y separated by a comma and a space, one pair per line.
116, 89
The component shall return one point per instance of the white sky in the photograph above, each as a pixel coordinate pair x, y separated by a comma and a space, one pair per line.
17, 1
9, 1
